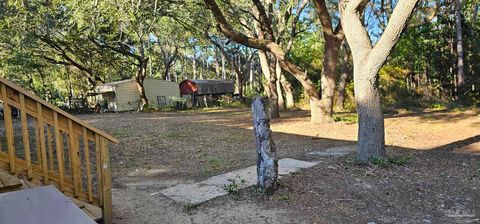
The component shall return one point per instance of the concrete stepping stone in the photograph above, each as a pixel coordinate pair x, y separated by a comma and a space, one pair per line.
335, 151
197, 193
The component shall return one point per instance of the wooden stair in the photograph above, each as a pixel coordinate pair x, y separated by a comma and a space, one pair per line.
9, 183
47, 146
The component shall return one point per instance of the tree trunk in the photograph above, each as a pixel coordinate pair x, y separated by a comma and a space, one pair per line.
328, 79
250, 76
343, 77
217, 67
224, 72
267, 161
367, 61
460, 67
371, 133
278, 75
139, 78
290, 102
194, 66
270, 85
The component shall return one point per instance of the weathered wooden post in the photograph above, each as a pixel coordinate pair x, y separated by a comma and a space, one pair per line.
267, 163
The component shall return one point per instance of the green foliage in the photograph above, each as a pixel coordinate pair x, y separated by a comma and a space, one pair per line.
346, 117
282, 197
234, 187
228, 102
393, 87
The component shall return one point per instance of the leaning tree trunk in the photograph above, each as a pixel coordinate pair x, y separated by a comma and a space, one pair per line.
278, 75
289, 101
343, 77
328, 79
460, 69
270, 85
267, 162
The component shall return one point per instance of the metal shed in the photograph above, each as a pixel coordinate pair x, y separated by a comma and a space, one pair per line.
206, 87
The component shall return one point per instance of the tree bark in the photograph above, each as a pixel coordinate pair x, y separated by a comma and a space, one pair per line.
224, 72
267, 161
194, 66
139, 79
278, 75
367, 61
333, 39
343, 77
328, 78
270, 86
289, 100
460, 64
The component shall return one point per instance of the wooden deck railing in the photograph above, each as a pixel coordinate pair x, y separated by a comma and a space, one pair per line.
49, 146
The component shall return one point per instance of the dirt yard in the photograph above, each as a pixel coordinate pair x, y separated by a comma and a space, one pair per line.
435, 179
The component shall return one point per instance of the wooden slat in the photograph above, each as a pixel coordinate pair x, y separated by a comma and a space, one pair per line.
9, 181
99, 167
86, 152
94, 211
50, 148
26, 140
106, 180
37, 178
59, 146
37, 142
74, 160
7, 117
54, 108
43, 149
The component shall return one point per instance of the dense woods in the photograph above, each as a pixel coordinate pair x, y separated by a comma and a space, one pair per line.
366, 56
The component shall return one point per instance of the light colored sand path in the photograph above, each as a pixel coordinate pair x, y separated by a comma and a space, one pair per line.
197, 193
335, 151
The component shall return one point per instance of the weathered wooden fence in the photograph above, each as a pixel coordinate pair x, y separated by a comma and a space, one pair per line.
50, 146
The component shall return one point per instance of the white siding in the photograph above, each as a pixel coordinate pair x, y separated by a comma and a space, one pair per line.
155, 88
127, 96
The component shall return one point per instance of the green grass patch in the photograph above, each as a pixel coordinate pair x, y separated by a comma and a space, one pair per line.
346, 118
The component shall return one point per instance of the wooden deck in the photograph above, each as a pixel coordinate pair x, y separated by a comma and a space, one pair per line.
9, 183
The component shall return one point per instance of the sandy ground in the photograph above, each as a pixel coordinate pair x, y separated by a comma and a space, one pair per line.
159, 150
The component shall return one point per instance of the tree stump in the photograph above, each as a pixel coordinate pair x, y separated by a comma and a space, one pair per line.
267, 163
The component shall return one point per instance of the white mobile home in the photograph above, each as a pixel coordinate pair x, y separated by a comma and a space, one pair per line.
123, 95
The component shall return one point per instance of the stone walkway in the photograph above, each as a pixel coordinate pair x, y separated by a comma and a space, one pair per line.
197, 193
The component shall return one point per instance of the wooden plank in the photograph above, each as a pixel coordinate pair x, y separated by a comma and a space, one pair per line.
54, 108
7, 117
99, 167
28, 184
9, 181
94, 211
59, 146
74, 159
106, 180
86, 150
43, 149
79, 203
50, 149
26, 140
